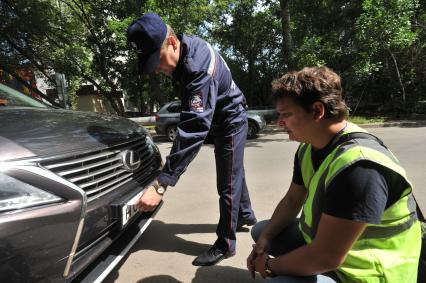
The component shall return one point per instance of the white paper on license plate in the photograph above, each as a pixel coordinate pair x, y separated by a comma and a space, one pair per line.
129, 209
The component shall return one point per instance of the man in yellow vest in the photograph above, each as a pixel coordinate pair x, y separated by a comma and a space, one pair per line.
358, 221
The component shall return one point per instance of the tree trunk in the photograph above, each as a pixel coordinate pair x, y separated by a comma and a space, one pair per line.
287, 44
251, 79
141, 100
114, 100
154, 89
398, 75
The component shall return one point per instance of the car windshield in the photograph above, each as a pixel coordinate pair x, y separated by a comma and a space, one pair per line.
12, 98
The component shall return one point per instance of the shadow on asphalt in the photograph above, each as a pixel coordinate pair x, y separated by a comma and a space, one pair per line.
209, 274
168, 241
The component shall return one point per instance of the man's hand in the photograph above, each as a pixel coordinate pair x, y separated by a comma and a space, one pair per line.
256, 262
262, 245
251, 264
149, 200
260, 250
259, 264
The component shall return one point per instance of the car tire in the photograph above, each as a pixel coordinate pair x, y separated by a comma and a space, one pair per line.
171, 132
252, 130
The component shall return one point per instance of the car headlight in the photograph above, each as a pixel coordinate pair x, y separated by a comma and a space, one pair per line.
153, 147
149, 139
15, 194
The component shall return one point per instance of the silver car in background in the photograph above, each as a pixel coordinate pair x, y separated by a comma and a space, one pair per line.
168, 117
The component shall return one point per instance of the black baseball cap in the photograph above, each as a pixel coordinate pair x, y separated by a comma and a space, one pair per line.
146, 35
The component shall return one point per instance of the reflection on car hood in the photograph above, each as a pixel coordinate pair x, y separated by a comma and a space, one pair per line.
45, 132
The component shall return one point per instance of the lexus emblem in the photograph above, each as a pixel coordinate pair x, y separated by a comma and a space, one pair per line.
131, 160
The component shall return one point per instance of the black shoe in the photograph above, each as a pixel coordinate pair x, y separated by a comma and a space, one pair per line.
211, 257
247, 222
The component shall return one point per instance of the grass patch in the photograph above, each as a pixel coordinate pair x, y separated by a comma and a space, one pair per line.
365, 120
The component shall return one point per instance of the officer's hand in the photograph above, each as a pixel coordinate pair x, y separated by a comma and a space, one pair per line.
149, 200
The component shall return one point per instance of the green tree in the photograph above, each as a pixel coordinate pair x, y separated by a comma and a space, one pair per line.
73, 37
385, 27
249, 36
378, 46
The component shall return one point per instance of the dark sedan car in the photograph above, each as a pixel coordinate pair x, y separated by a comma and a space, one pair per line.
68, 184
168, 117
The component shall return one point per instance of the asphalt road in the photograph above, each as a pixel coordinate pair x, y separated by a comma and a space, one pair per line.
185, 225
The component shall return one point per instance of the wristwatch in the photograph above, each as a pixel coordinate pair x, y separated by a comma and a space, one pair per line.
268, 270
159, 188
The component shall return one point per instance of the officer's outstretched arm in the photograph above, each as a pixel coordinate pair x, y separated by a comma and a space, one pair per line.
198, 104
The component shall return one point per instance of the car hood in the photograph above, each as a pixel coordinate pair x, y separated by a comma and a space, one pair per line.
28, 132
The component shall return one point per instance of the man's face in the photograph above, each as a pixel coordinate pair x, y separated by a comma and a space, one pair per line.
165, 66
169, 57
295, 120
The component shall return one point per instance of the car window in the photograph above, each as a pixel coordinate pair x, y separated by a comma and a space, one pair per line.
174, 108
12, 98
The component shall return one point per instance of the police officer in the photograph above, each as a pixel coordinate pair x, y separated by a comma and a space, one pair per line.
359, 222
211, 102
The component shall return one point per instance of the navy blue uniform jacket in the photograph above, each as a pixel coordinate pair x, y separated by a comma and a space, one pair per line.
210, 100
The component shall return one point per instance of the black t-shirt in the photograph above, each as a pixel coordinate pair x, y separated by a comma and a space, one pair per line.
360, 192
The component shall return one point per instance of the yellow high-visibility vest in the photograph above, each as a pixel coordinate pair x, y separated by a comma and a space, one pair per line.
387, 252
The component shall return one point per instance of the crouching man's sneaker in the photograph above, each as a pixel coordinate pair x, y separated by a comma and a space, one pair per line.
211, 257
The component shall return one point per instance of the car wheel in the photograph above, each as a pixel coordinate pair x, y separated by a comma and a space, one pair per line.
172, 133
252, 130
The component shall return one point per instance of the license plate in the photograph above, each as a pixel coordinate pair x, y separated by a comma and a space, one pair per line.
129, 209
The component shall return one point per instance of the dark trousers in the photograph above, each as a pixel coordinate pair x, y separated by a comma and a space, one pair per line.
234, 199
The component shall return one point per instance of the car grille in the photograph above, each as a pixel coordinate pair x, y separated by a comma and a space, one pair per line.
102, 171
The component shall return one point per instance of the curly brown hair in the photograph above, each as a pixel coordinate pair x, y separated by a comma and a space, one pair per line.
312, 84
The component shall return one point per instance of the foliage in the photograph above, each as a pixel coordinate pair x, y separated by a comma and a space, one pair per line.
377, 46
359, 120
384, 26
67, 36
255, 57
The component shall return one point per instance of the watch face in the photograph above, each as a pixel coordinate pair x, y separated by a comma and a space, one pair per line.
161, 190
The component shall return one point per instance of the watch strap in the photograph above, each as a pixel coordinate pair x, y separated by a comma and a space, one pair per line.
159, 188
268, 270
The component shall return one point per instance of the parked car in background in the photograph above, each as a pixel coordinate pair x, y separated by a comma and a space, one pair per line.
269, 113
68, 184
168, 117
143, 119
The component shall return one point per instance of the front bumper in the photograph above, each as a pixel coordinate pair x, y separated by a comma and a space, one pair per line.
89, 248
115, 252
57, 242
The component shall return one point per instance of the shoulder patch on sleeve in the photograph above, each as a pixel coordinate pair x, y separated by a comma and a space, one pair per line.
196, 103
